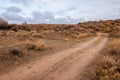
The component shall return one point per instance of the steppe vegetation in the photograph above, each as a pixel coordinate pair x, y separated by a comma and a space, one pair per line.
108, 68
18, 43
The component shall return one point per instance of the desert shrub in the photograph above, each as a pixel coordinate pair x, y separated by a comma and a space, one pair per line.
113, 48
107, 69
20, 27
66, 39
36, 46
68, 27
37, 35
109, 66
24, 27
3, 33
114, 34
15, 52
4, 24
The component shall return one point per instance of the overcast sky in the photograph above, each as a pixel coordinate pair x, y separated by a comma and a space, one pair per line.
58, 11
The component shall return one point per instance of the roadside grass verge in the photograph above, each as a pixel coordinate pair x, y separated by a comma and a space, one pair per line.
108, 68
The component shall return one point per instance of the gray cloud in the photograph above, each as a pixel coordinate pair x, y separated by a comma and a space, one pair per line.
43, 15
24, 2
51, 12
36, 14
49, 17
67, 20
68, 9
12, 17
13, 9
39, 17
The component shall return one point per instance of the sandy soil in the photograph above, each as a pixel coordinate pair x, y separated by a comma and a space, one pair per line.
64, 65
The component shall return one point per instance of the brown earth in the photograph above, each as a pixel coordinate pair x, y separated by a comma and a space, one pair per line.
64, 65
53, 51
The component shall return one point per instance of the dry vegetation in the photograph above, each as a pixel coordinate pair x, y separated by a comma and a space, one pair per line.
108, 68
34, 38
106, 26
37, 46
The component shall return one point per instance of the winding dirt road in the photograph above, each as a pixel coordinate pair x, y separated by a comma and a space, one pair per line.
65, 65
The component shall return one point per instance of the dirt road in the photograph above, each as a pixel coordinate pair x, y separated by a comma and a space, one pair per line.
65, 65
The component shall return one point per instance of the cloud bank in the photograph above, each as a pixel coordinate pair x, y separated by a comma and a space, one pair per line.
58, 11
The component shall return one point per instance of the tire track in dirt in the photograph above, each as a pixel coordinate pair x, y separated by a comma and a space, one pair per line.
39, 67
73, 70
60, 66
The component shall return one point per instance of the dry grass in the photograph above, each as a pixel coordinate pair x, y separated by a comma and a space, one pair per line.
37, 35
109, 66
15, 52
113, 48
66, 39
39, 45
82, 35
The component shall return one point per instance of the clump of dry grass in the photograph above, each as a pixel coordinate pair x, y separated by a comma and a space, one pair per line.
115, 34
37, 35
3, 33
109, 67
82, 35
113, 48
66, 39
16, 52
36, 45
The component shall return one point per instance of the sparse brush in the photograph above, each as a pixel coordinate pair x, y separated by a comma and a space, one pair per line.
4, 24
36, 45
113, 48
66, 39
109, 67
37, 35
3, 33
115, 34
15, 52
34, 33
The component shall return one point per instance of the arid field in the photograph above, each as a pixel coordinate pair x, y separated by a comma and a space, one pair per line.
83, 51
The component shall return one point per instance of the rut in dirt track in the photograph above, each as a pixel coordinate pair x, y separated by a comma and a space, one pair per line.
65, 65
